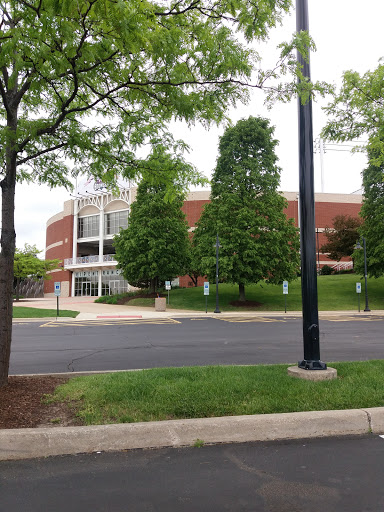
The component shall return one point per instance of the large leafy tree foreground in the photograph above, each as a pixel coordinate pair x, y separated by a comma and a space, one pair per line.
257, 241
83, 83
155, 246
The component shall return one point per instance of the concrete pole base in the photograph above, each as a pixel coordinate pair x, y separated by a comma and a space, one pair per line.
160, 304
314, 375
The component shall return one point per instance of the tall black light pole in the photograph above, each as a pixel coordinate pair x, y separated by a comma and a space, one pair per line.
358, 246
311, 336
217, 244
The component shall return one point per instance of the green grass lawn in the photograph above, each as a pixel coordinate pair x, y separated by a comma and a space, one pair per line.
23, 312
335, 292
211, 391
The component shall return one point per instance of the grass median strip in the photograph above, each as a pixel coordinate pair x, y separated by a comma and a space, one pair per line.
199, 392
23, 312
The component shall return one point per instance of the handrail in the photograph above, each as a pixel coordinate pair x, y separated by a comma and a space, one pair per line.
86, 260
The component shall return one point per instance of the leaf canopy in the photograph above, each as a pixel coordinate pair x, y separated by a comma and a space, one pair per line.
87, 82
27, 264
357, 110
372, 213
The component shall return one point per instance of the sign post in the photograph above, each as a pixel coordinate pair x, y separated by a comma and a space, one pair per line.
217, 245
57, 294
285, 292
358, 291
168, 287
206, 293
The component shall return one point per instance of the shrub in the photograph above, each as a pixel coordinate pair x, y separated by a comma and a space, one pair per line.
326, 270
112, 299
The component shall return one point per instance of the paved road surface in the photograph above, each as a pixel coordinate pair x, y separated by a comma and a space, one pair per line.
127, 344
324, 475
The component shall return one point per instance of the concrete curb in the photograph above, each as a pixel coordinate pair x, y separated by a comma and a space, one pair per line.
42, 442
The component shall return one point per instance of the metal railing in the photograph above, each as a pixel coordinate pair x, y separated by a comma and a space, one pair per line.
86, 260
347, 265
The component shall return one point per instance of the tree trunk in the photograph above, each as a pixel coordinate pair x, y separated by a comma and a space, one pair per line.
153, 285
241, 292
194, 278
8, 241
8, 244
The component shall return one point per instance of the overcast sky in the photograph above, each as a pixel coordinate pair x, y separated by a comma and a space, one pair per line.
348, 35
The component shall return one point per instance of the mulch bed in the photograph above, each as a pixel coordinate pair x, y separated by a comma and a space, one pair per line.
21, 404
246, 304
125, 300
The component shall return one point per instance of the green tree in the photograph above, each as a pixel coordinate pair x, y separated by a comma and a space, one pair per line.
257, 241
357, 110
372, 213
155, 246
342, 238
84, 83
27, 265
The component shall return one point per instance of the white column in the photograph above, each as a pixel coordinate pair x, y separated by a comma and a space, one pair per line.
73, 285
75, 225
101, 247
74, 244
100, 283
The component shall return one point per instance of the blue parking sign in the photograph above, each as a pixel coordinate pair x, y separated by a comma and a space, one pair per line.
57, 289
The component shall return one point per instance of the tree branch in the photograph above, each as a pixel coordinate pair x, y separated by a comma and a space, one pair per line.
39, 153
173, 12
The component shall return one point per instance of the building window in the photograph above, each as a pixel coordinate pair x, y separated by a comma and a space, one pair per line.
114, 222
88, 226
86, 284
113, 283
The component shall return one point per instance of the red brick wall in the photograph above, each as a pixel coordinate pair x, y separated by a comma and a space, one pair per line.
292, 211
59, 231
325, 212
192, 210
186, 281
62, 276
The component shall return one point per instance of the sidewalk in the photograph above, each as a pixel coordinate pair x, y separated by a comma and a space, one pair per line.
43, 442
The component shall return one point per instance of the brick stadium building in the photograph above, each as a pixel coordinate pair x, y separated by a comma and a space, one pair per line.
81, 236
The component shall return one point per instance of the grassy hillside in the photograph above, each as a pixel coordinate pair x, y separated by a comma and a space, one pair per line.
336, 292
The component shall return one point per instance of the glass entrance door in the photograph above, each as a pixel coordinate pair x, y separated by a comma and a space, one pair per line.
85, 289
